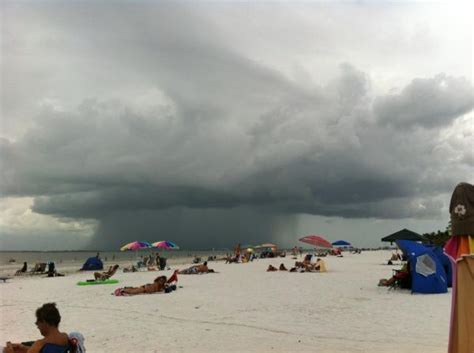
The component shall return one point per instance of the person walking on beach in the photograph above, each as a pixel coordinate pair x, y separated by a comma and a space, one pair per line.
237, 251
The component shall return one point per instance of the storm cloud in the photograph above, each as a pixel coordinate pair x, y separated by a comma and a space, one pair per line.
162, 131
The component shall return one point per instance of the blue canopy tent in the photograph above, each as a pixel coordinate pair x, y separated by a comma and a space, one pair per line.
93, 264
427, 272
341, 243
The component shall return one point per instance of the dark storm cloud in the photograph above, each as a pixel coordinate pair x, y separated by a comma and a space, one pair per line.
155, 129
325, 158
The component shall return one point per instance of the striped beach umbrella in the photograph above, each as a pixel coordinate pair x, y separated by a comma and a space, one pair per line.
317, 241
136, 245
165, 244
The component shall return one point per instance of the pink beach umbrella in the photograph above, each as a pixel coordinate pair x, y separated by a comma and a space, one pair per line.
136, 245
164, 244
317, 241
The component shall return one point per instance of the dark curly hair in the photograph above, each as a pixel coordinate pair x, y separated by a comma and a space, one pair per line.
48, 313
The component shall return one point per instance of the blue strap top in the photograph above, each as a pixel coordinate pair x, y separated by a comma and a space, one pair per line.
54, 348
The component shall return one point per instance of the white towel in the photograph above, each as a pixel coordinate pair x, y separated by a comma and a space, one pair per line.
79, 338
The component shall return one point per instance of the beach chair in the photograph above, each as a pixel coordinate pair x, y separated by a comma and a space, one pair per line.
73, 347
39, 268
401, 283
54, 348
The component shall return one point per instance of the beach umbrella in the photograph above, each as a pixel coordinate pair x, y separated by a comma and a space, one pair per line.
136, 245
165, 244
317, 241
341, 243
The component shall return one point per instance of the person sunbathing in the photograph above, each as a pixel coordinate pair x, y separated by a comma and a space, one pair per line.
282, 267
196, 269
305, 263
319, 265
102, 276
22, 270
131, 268
47, 321
399, 276
158, 285
271, 268
231, 259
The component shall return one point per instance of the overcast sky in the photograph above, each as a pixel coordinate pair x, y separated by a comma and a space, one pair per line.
212, 123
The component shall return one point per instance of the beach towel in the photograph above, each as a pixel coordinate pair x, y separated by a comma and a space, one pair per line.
120, 293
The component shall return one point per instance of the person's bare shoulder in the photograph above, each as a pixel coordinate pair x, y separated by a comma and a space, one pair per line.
37, 346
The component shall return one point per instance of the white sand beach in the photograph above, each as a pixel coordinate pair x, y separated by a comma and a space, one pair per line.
242, 308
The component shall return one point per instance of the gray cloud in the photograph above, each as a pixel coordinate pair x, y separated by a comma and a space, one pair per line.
299, 156
154, 130
426, 102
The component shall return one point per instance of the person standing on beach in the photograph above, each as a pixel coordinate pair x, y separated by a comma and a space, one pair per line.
237, 251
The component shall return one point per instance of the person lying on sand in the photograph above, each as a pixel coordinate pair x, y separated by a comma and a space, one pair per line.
47, 321
271, 268
102, 276
131, 268
232, 259
318, 266
196, 269
160, 284
304, 266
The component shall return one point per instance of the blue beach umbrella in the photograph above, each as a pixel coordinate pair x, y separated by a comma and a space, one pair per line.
341, 243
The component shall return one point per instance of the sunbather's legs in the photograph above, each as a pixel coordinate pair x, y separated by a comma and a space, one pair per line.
134, 290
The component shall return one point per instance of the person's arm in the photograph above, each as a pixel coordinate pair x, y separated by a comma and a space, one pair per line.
15, 348
36, 347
